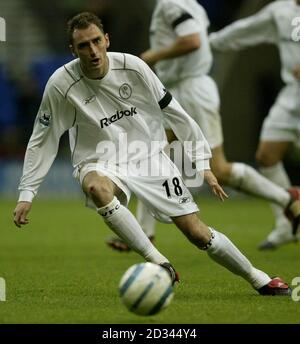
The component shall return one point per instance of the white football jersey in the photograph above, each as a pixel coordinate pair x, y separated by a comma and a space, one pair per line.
275, 23
173, 18
127, 107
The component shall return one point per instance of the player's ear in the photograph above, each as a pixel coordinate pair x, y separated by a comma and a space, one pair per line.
107, 40
72, 50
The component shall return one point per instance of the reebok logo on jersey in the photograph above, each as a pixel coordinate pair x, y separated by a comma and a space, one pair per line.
105, 122
184, 200
89, 99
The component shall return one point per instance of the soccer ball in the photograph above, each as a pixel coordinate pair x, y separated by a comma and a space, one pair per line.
146, 289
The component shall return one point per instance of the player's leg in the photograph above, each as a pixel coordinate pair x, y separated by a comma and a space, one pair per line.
147, 223
145, 219
279, 132
224, 252
246, 179
269, 155
104, 193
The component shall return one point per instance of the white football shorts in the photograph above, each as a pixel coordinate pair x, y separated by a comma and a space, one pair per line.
161, 188
283, 120
199, 97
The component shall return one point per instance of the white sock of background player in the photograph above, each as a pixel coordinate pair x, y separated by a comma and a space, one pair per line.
247, 179
145, 219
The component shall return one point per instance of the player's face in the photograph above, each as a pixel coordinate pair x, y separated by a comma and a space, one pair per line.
90, 46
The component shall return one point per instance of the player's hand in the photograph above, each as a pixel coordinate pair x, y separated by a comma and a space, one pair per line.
212, 181
296, 72
150, 57
20, 213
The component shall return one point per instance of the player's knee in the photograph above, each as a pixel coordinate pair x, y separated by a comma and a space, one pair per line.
266, 159
101, 192
222, 172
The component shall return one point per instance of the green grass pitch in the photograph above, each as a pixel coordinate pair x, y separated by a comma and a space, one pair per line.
59, 270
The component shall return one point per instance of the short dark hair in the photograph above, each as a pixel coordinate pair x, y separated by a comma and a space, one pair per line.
82, 21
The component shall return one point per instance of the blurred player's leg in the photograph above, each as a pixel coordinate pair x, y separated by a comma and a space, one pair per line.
145, 219
245, 178
282, 232
274, 170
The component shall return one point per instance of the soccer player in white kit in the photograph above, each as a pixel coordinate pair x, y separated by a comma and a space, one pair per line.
276, 23
112, 100
181, 55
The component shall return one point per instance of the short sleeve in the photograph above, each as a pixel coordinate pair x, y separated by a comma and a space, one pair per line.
182, 21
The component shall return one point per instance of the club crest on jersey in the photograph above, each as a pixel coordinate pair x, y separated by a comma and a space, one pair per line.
105, 122
45, 119
125, 91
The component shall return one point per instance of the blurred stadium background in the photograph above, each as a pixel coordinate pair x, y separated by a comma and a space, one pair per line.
36, 44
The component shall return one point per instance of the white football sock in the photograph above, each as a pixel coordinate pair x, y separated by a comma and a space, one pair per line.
225, 253
281, 235
145, 219
278, 175
124, 224
247, 179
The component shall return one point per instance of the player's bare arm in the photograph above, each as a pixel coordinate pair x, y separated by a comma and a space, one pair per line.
20, 213
212, 181
182, 46
297, 72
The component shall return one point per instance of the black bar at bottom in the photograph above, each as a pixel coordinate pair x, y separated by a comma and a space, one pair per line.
136, 333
